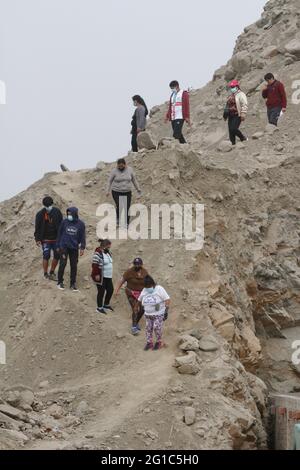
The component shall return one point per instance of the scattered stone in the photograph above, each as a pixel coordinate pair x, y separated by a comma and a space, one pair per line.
82, 409
188, 343
63, 168
225, 146
189, 415
144, 141
208, 344
100, 166
293, 47
187, 364
44, 384
258, 135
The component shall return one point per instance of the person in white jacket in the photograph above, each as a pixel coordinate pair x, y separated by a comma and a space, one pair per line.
235, 111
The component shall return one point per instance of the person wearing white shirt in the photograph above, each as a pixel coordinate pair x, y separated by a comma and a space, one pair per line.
155, 301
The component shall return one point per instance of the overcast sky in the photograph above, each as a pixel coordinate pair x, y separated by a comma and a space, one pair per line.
71, 67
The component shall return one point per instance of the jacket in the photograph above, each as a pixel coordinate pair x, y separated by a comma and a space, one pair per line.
40, 222
241, 103
71, 235
275, 95
185, 107
97, 266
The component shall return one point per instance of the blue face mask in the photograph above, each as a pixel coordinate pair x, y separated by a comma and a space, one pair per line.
234, 90
150, 290
70, 218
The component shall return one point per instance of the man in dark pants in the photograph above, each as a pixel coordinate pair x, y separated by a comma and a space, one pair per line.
178, 111
71, 238
275, 96
47, 222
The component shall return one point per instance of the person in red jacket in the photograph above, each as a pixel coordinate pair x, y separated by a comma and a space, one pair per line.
275, 96
178, 111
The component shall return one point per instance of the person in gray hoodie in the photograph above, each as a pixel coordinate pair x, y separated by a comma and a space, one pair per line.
120, 184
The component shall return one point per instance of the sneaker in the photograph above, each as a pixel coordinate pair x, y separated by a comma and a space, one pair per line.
46, 276
61, 286
134, 330
52, 277
138, 327
101, 310
74, 288
108, 307
158, 345
148, 346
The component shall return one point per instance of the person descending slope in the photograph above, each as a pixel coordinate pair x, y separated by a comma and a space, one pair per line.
178, 111
102, 273
138, 123
135, 284
275, 95
156, 302
235, 111
71, 237
120, 183
47, 222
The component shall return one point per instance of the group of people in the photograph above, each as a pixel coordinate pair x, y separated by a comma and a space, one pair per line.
65, 239
235, 110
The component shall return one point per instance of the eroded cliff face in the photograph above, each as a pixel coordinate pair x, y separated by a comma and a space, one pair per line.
75, 380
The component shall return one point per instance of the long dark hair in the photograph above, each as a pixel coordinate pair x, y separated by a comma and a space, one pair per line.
140, 100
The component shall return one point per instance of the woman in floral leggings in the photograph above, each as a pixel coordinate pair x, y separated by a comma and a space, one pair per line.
155, 302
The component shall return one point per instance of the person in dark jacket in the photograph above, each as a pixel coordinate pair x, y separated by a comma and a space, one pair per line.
275, 95
71, 238
102, 272
138, 123
47, 222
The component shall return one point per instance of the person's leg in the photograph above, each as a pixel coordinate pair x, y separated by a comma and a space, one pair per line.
100, 295
46, 257
116, 197
134, 144
134, 307
149, 330
158, 327
129, 197
109, 287
231, 132
62, 266
238, 133
273, 115
73, 255
55, 258
177, 128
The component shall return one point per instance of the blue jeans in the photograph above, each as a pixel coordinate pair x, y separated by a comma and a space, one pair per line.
273, 115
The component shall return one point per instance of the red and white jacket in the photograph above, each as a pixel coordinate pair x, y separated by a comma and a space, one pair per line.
179, 108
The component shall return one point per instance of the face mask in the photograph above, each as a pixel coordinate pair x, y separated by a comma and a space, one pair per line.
70, 218
49, 209
122, 169
234, 90
150, 290
173, 90
106, 250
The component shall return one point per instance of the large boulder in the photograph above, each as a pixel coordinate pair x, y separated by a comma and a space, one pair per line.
187, 364
293, 47
270, 51
144, 141
241, 62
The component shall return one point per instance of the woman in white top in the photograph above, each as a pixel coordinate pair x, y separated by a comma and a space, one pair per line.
102, 273
155, 301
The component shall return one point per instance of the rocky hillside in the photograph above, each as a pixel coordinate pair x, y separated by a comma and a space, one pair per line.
77, 380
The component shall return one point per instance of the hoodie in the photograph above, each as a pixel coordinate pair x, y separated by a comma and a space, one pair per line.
71, 235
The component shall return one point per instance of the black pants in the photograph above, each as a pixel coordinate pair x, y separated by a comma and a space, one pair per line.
177, 126
134, 144
119, 206
107, 288
73, 256
234, 123
273, 115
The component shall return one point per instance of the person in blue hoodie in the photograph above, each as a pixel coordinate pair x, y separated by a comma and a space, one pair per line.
71, 239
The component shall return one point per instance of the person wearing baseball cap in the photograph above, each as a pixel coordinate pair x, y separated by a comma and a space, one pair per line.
47, 223
235, 111
134, 277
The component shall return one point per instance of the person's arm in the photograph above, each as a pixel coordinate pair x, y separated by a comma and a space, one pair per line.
140, 119
97, 267
110, 181
134, 181
59, 234
37, 231
119, 285
168, 115
282, 93
186, 106
82, 241
265, 92
244, 106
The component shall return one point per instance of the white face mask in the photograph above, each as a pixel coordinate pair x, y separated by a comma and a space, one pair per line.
49, 209
70, 218
173, 90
